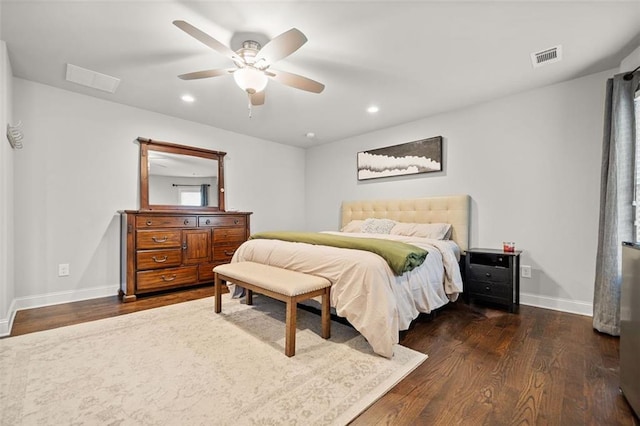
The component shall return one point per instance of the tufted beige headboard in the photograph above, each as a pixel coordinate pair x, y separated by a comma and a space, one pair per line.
452, 209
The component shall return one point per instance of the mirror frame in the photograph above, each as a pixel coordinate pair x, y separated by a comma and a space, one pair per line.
147, 145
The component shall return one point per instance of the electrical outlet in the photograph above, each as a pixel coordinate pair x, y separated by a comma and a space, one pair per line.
525, 271
63, 270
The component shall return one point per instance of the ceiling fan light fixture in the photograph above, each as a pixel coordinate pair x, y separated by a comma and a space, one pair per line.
250, 79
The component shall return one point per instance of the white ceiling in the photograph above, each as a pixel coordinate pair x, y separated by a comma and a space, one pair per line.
413, 59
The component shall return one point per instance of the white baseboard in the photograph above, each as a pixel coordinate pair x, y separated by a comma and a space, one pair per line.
557, 304
6, 323
49, 299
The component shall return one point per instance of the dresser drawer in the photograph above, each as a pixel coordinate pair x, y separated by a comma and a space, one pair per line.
222, 221
492, 289
169, 277
154, 259
158, 238
229, 235
205, 271
489, 273
165, 221
224, 252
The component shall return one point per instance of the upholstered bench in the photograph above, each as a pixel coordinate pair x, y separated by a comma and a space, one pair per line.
282, 284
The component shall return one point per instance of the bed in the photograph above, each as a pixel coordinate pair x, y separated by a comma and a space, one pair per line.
365, 290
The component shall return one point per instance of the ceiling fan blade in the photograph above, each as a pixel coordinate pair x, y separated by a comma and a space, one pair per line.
206, 39
280, 47
205, 74
295, 80
257, 98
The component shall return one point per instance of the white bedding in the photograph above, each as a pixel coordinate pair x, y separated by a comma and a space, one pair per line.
364, 289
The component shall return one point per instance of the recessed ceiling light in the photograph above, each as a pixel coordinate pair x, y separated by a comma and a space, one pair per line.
188, 98
310, 135
373, 109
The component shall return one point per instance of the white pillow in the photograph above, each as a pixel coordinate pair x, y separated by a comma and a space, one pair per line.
353, 226
377, 226
434, 231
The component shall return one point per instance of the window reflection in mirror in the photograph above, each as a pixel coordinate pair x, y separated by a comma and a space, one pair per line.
182, 180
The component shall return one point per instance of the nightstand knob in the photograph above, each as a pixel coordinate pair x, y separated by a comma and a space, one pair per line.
488, 274
487, 288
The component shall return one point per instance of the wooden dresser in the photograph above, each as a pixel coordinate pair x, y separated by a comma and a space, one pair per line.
171, 249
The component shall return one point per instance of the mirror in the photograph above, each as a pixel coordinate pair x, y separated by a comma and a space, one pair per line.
177, 177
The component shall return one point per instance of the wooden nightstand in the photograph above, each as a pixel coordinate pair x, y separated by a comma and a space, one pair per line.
493, 276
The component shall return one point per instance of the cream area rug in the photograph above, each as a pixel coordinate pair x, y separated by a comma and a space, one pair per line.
185, 365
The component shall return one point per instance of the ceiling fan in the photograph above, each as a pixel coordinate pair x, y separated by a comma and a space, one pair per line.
253, 62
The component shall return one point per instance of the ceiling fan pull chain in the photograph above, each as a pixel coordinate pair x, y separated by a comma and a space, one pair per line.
249, 105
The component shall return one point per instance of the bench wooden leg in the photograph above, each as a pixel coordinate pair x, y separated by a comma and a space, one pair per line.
290, 337
326, 313
218, 292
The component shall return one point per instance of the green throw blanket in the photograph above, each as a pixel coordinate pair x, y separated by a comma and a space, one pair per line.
401, 257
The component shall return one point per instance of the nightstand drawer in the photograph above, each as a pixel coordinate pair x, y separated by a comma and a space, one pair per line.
493, 289
489, 273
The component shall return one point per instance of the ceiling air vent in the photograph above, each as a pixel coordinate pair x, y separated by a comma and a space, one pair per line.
547, 56
93, 79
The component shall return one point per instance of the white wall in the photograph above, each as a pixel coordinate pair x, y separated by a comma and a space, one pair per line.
531, 164
79, 166
6, 194
631, 61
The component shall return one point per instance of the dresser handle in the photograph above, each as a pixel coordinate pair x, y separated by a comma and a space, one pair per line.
208, 222
488, 274
156, 240
236, 221
229, 253
487, 288
169, 279
149, 223
186, 221
155, 259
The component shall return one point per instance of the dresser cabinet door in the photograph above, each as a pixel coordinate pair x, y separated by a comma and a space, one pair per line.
196, 246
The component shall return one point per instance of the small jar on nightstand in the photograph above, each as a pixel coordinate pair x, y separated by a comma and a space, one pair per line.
492, 276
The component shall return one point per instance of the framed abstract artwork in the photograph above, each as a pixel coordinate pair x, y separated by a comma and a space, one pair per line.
421, 156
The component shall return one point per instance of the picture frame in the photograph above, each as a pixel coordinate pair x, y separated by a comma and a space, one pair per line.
416, 157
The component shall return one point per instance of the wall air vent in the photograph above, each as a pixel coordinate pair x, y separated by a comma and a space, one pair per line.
95, 80
546, 56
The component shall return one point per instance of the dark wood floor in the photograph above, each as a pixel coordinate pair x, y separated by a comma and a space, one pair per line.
485, 366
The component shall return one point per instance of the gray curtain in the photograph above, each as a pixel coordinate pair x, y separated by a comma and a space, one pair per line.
204, 194
617, 189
